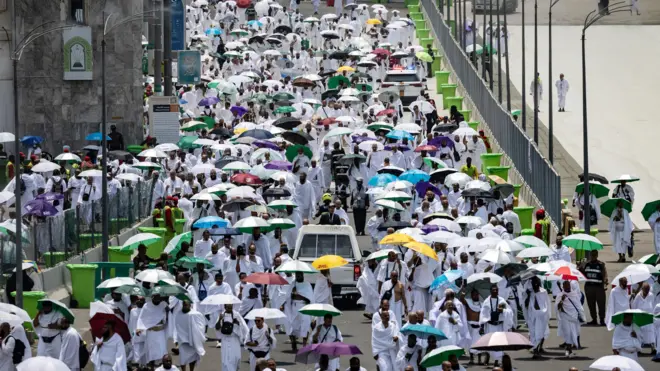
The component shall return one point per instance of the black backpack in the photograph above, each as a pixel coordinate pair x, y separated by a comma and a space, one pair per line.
22, 186
83, 354
227, 328
19, 350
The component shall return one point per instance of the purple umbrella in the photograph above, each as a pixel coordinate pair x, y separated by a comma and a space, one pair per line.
437, 141
422, 187
40, 207
430, 228
238, 110
400, 147
312, 353
208, 101
266, 144
359, 139
279, 165
51, 196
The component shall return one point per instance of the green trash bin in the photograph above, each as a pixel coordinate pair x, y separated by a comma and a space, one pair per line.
473, 124
501, 171
436, 65
516, 190
490, 159
178, 225
454, 101
30, 299
160, 222
467, 113
525, 214
115, 255
53, 258
413, 3
581, 254
417, 16
412, 8
83, 283
419, 23
85, 240
441, 78
117, 224
448, 90
424, 41
154, 249
423, 33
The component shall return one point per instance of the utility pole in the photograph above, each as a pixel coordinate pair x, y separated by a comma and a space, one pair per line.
158, 47
499, 55
463, 29
490, 45
17, 168
167, 37
506, 53
524, 90
551, 153
536, 74
104, 155
483, 46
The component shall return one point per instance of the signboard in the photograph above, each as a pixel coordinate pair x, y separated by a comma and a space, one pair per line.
178, 14
189, 67
78, 56
164, 119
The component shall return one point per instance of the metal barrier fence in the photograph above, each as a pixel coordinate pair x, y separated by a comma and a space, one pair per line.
54, 239
535, 170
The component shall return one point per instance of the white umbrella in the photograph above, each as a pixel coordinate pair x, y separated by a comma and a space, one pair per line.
530, 241
167, 147
535, 252
237, 166
12, 309
395, 196
390, 205
347, 119
496, 257
129, 176
292, 266
485, 244
462, 242
491, 277
204, 142
42, 364
464, 132
451, 225
99, 307
509, 246
6, 196
636, 273
67, 156
205, 197
116, 282
152, 153
399, 185
381, 254
457, 178
441, 237
409, 127
211, 303
367, 145
252, 222
7, 137
349, 91
91, 173
12, 319
611, 362
415, 233
348, 98
288, 177
45, 166
280, 203
153, 275
241, 192
140, 238
477, 184
265, 313
202, 169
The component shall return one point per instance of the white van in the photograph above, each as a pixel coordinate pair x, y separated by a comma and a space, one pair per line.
315, 241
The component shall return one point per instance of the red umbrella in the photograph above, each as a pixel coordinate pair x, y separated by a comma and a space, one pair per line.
327, 121
243, 3
248, 179
385, 112
266, 279
382, 52
98, 321
426, 147
568, 274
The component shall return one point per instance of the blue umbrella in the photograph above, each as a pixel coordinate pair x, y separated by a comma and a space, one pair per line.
96, 136
415, 176
31, 140
449, 277
399, 134
210, 222
40, 207
381, 180
423, 331
257, 134
227, 232
183, 101
252, 23
208, 101
213, 31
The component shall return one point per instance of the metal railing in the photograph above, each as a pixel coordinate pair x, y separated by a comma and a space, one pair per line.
535, 170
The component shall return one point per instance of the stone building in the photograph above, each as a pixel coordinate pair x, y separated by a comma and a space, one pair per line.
65, 110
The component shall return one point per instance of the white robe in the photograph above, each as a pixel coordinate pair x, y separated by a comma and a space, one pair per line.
368, 287
7, 346
395, 306
624, 343
384, 346
537, 319
621, 232
451, 331
298, 323
190, 335
647, 335
506, 319
70, 348
330, 335
655, 227
618, 301
569, 319
111, 356
562, 89
138, 341
53, 349
304, 197
232, 344
322, 291
154, 316
265, 339
408, 356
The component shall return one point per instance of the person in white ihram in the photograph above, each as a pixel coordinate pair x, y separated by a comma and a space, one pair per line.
109, 353
619, 301
70, 345
46, 325
385, 342
562, 89
233, 331
538, 85
189, 335
259, 341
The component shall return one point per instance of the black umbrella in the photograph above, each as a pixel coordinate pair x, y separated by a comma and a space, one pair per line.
236, 205
394, 225
297, 137
521, 277
276, 192
256, 39
350, 158
283, 29
338, 55
476, 192
592, 176
327, 73
505, 189
120, 155
273, 40
445, 128
287, 123
332, 93
513, 267
390, 170
482, 286
438, 176
222, 132
225, 160
330, 36
430, 217
226, 232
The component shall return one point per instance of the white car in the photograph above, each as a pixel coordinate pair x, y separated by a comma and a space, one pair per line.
406, 83
315, 241
482, 5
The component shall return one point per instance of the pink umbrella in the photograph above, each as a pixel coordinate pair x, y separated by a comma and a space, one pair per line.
502, 341
312, 353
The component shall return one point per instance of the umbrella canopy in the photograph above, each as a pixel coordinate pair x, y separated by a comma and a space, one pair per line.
626, 178
312, 353
381, 180
12, 309
502, 342
43, 364
266, 279
210, 222
116, 282
293, 266
191, 262
442, 354
535, 252
174, 245
140, 239
329, 262
495, 257
609, 363
582, 241
40, 208
11, 319
396, 239
415, 176
98, 321
58, 307
136, 290
650, 208
319, 310
265, 313
531, 241
423, 249
609, 206
423, 331
640, 318
153, 275
597, 189
246, 225
445, 279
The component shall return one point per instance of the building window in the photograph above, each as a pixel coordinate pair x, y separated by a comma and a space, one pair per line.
78, 11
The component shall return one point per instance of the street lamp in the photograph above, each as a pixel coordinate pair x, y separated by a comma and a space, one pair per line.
490, 45
499, 55
550, 109
536, 74
588, 22
104, 135
16, 54
524, 90
506, 52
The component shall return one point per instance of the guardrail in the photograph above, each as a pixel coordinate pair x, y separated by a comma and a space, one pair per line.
534, 169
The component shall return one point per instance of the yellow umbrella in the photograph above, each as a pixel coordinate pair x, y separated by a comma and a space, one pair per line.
374, 21
346, 68
396, 239
423, 249
239, 131
329, 262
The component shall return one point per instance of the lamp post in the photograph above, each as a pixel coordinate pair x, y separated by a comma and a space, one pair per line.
474, 29
107, 28
16, 54
550, 108
506, 53
490, 45
588, 22
536, 74
499, 55
524, 90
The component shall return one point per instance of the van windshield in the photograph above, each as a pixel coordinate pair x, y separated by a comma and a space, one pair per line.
402, 77
317, 245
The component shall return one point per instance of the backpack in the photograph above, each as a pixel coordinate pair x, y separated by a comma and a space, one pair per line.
227, 328
22, 186
83, 354
19, 351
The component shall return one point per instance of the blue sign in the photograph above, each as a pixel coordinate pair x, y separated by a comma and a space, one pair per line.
189, 67
178, 13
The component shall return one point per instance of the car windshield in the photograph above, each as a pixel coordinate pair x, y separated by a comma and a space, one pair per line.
401, 77
317, 245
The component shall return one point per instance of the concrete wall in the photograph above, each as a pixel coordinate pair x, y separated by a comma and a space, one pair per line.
63, 112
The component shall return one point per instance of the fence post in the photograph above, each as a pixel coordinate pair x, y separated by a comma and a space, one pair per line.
93, 222
139, 201
77, 229
130, 205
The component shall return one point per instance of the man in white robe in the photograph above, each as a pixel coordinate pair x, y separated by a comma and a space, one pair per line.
153, 322
409, 355
47, 325
570, 316
323, 288
626, 340
562, 89
316, 178
70, 345
232, 337
536, 307
304, 197
422, 277
496, 315
167, 364
300, 163
109, 353
368, 287
645, 301
137, 341
218, 287
259, 341
89, 193
217, 258
619, 301
394, 291
203, 246
328, 333
190, 336
325, 156
300, 295
654, 223
372, 228
449, 322
385, 342
621, 227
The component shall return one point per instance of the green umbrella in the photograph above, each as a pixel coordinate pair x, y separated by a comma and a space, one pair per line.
282, 223
596, 189
516, 112
380, 126
283, 96
140, 239
168, 290
259, 98
432, 160
281, 204
424, 56
285, 109
292, 152
608, 207
650, 208
191, 262
186, 142
195, 125
58, 307
582, 241
335, 81
208, 120
651, 259
214, 84
174, 246
239, 32
439, 355
134, 290
640, 318
231, 54
367, 88
319, 310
